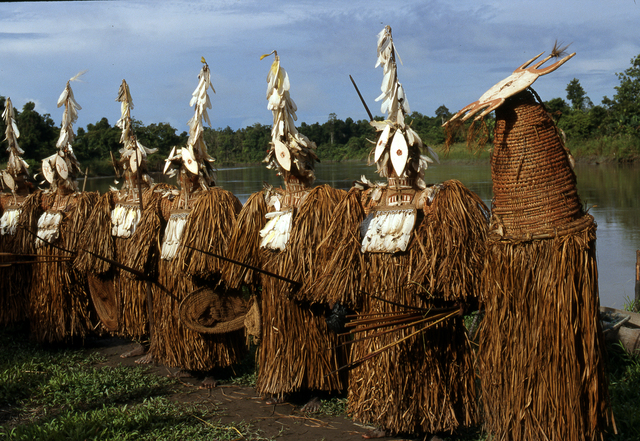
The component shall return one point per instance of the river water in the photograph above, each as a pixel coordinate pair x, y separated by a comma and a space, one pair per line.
609, 192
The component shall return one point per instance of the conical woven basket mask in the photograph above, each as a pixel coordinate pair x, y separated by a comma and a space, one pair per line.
533, 184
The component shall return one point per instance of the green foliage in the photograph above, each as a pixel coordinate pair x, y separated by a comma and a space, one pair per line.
624, 389
577, 96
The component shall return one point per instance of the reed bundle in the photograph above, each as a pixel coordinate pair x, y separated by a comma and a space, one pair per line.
298, 351
244, 243
59, 301
173, 343
541, 345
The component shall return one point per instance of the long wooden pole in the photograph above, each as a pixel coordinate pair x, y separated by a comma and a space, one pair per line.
636, 305
362, 99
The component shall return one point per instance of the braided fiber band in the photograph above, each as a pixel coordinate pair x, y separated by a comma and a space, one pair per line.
534, 186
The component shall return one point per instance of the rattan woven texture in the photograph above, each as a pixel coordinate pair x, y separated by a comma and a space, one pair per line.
533, 184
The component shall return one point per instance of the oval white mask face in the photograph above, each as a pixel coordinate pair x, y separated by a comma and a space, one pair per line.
47, 171
399, 152
382, 142
61, 167
283, 156
189, 161
8, 180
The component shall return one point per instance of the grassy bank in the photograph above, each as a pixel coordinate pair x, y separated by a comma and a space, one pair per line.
51, 393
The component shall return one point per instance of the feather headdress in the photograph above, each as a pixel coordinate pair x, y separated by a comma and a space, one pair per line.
290, 152
398, 150
61, 168
17, 169
193, 162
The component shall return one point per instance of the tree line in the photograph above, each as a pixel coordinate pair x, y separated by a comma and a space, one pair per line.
614, 119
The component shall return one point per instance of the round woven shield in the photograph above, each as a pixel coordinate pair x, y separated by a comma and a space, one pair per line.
104, 298
534, 185
207, 312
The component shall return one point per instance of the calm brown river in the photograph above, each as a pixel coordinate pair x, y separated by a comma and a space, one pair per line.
609, 192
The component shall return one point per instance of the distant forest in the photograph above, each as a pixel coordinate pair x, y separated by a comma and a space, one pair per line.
615, 122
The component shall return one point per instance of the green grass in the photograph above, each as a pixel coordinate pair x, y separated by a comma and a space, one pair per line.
62, 393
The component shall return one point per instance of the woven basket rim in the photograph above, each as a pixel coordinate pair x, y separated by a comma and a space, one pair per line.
222, 327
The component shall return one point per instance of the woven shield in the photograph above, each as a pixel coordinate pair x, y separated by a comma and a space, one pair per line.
207, 312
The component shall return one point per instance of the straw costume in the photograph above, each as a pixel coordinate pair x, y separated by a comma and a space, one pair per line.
189, 317
120, 300
407, 256
17, 208
59, 308
278, 230
541, 345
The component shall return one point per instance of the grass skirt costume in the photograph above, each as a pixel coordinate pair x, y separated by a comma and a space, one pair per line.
120, 297
207, 226
425, 383
59, 301
297, 349
541, 345
16, 279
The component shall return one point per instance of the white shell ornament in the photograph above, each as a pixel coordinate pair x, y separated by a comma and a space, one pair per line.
399, 152
8, 180
135, 160
61, 166
47, 171
189, 161
382, 142
283, 156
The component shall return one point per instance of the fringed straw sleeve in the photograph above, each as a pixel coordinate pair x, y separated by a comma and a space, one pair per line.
244, 244
59, 305
340, 277
298, 351
97, 238
141, 251
310, 226
209, 227
451, 239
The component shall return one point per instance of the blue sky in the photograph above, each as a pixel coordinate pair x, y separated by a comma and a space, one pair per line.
452, 52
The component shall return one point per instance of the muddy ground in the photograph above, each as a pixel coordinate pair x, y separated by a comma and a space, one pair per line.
238, 403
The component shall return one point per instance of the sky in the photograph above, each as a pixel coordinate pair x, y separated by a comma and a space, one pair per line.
451, 52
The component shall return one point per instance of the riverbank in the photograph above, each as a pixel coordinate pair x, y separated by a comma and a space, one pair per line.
87, 391
601, 151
